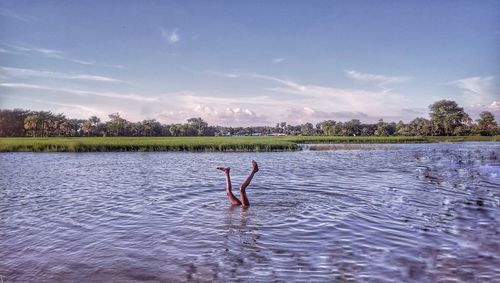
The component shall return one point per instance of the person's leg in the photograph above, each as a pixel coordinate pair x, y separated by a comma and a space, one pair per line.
234, 200
243, 194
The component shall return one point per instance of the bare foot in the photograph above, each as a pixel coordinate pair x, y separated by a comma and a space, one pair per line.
255, 166
225, 169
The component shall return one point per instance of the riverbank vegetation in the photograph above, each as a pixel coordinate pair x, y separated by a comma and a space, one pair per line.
243, 143
446, 119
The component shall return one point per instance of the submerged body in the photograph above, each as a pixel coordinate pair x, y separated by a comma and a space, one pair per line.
232, 198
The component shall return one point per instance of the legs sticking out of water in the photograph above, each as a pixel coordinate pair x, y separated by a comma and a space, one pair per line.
234, 200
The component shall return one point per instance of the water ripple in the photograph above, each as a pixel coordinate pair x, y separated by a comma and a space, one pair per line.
419, 213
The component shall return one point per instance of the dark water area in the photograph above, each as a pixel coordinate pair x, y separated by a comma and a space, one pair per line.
415, 213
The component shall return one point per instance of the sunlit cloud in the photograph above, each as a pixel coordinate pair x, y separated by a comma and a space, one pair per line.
324, 101
309, 114
79, 92
171, 36
230, 116
376, 78
475, 90
495, 105
20, 72
278, 60
475, 110
474, 85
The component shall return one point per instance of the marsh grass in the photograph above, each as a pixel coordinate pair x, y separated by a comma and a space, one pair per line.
260, 143
321, 147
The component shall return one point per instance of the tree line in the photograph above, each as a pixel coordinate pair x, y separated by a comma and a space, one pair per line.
446, 119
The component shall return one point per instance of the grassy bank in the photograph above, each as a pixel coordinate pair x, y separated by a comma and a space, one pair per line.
287, 143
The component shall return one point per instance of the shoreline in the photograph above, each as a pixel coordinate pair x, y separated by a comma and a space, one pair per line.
207, 144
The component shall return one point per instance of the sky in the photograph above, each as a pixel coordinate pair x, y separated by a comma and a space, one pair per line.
242, 63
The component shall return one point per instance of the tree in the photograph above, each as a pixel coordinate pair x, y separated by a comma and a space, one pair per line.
327, 127
197, 126
307, 129
352, 128
402, 129
465, 128
420, 127
117, 125
12, 122
384, 128
446, 115
151, 128
174, 129
486, 124
87, 127
31, 124
64, 128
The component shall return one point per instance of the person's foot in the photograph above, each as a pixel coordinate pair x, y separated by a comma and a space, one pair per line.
255, 166
225, 169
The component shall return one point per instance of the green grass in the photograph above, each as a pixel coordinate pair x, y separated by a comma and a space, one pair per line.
464, 138
97, 144
264, 143
370, 139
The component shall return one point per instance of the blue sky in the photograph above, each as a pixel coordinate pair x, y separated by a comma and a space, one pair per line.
249, 62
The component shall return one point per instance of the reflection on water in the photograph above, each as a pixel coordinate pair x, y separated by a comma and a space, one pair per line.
423, 213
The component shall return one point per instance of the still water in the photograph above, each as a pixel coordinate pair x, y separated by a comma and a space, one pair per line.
410, 213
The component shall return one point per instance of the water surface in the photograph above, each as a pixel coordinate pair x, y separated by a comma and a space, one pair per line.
420, 213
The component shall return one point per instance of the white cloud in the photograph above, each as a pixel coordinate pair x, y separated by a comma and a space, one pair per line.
474, 85
42, 51
475, 90
80, 92
214, 115
380, 79
475, 110
278, 60
308, 114
13, 15
171, 36
68, 109
50, 53
192, 99
288, 83
325, 102
234, 116
495, 106
221, 74
30, 72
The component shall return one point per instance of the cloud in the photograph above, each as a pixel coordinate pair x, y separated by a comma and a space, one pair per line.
278, 60
230, 116
38, 73
41, 51
415, 111
171, 36
326, 101
134, 97
68, 109
495, 106
49, 53
380, 79
475, 110
474, 85
288, 83
222, 74
308, 114
193, 99
12, 15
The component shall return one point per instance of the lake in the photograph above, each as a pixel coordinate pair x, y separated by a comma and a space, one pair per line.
390, 213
